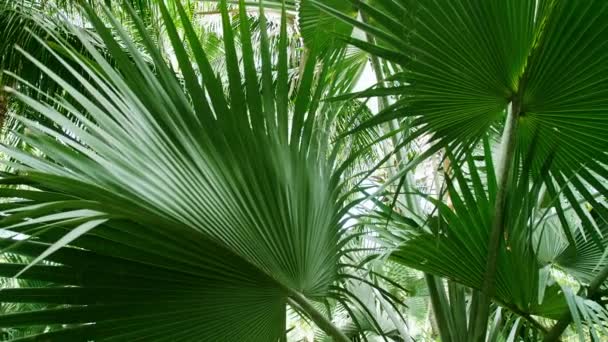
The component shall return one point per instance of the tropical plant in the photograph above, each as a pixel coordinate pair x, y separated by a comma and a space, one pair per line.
467, 64
173, 178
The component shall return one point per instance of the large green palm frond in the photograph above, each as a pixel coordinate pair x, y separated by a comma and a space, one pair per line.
461, 60
464, 61
147, 199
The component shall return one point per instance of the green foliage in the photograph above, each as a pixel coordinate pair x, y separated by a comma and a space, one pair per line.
456, 246
164, 192
181, 170
463, 62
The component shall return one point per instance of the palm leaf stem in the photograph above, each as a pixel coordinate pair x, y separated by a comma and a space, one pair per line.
506, 155
593, 290
298, 300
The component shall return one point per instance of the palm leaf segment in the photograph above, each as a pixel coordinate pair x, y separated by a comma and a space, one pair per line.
157, 191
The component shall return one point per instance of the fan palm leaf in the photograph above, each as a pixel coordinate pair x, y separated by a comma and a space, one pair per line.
469, 64
149, 205
465, 61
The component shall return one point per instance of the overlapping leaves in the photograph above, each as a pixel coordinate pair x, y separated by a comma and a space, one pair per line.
189, 214
465, 60
456, 245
